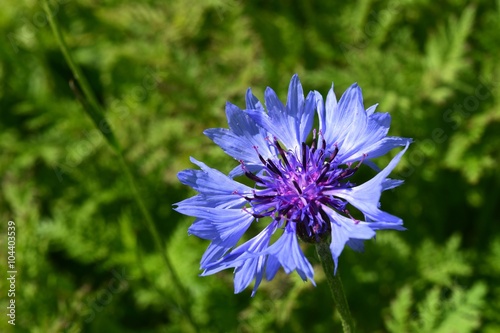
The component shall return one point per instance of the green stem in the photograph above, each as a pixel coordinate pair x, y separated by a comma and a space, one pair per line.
94, 110
335, 284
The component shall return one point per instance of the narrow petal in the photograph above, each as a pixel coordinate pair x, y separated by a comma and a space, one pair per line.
242, 137
215, 188
229, 223
356, 244
248, 259
292, 123
320, 108
344, 229
366, 196
252, 102
307, 117
289, 254
358, 134
378, 148
204, 229
337, 118
214, 252
272, 267
388, 183
295, 99
371, 109
276, 121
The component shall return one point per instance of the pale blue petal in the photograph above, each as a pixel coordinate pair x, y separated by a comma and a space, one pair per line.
272, 267
389, 183
336, 118
214, 252
228, 222
242, 137
204, 229
217, 189
343, 229
248, 260
252, 102
320, 108
307, 118
238, 170
289, 254
292, 123
356, 244
366, 196
295, 98
371, 109
378, 148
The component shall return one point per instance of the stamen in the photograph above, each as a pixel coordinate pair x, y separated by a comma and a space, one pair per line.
297, 187
356, 221
273, 167
293, 187
346, 173
282, 152
304, 159
321, 177
260, 156
253, 177
334, 154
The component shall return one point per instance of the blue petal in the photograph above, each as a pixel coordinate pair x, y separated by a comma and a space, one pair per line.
358, 134
339, 117
242, 137
239, 170
214, 252
291, 124
302, 111
272, 267
387, 226
388, 183
245, 273
366, 196
371, 164
216, 189
295, 98
378, 148
307, 117
356, 244
252, 102
371, 109
289, 254
204, 229
215, 258
248, 260
228, 222
251, 268
343, 229
320, 108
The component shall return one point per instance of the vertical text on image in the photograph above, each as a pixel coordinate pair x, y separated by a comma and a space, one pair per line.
11, 272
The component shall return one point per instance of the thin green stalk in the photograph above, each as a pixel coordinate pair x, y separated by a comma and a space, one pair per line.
335, 284
94, 110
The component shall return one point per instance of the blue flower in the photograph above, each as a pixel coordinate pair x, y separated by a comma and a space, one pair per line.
301, 190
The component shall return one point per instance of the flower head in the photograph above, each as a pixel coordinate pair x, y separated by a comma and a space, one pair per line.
303, 182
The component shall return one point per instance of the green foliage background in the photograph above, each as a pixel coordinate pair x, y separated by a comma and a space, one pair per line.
162, 71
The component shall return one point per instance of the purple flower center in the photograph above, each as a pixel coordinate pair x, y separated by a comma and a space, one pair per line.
291, 188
